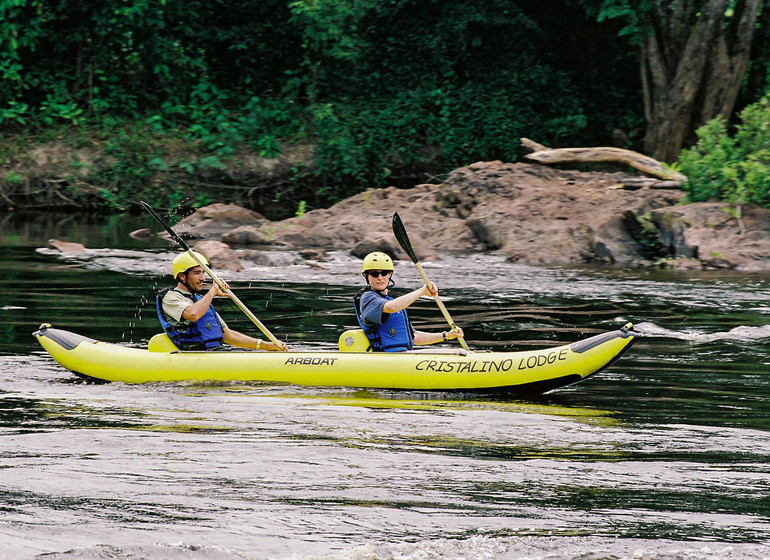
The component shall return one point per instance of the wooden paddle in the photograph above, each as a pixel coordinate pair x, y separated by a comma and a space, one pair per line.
403, 239
214, 277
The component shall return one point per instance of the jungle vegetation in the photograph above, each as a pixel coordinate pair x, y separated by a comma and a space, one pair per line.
163, 99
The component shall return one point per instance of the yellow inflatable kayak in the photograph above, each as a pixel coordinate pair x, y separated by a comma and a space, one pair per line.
533, 371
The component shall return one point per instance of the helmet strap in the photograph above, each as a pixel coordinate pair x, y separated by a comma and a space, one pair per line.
185, 284
391, 283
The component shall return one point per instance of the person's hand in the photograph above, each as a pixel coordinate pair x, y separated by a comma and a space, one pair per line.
430, 290
272, 347
456, 332
224, 288
221, 291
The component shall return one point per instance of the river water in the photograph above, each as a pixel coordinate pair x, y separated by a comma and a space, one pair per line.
666, 455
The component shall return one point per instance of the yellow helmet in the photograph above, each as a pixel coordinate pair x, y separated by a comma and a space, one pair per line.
377, 261
184, 262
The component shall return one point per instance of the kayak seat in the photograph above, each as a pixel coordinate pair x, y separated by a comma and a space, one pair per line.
354, 340
161, 343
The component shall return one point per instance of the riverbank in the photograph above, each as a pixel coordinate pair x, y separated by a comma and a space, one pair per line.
528, 213
110, 171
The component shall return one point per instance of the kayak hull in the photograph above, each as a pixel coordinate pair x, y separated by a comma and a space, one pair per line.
533, 371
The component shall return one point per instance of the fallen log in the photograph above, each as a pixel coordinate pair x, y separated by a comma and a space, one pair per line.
640, 162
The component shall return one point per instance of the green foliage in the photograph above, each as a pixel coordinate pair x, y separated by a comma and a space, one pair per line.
174, 92
362, 143
649, 237
331, 44
301, 209
462, 86
13, 179
125, 57
734, 168
632, 14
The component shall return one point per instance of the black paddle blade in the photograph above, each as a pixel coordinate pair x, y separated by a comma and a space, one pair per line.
403, 239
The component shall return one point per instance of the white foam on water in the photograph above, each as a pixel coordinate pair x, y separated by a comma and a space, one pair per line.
738, 334
473, 548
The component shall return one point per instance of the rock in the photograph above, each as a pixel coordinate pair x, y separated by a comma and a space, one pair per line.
381, 244
529, 213
246, 235
260, 258
66, 246
535, 214
317, 255
219, 255
144, 233
680, 263
216, 220
316, 264
486, 234
709, 232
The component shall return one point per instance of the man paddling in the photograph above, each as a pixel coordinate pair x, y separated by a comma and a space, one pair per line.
189, 318
384, 318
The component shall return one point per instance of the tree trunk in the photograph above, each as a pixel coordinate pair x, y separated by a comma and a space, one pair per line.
693, 62
759, 66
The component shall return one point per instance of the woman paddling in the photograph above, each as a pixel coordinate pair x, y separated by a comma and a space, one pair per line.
189, 318
384, 318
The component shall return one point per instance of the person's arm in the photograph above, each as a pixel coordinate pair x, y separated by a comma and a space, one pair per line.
245, 341
422, 337
196, 310
371, 308
402, 302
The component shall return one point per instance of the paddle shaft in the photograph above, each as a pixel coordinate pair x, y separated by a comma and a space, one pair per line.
210, 272
403, 239
441, 306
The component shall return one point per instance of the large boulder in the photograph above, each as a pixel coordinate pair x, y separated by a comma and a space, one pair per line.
363, 221
246, 235
219, 255
537, 214
216, 219
529, 213
712, 233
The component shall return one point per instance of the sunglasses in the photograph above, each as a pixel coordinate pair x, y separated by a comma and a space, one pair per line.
376, 273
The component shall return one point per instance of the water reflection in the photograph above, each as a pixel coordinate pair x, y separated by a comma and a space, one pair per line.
34, 229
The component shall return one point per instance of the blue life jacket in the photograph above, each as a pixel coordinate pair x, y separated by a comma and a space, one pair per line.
394, 335
204, 334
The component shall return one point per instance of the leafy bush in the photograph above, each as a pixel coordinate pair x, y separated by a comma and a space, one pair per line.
374, 142
734, 168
